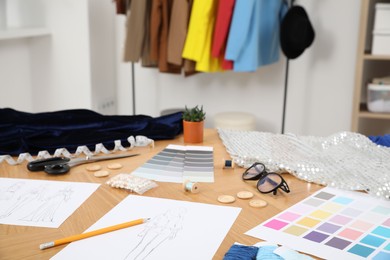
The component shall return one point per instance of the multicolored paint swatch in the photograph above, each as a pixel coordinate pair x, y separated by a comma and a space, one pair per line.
333, 224
177, 163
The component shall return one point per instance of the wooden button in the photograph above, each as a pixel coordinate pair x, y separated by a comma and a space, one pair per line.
114, 166
94, 168
100, 174
226, 199
245, 195
258, 203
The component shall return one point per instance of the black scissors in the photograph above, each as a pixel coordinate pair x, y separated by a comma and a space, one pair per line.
61, 165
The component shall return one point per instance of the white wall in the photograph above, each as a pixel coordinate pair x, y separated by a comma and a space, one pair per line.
321, 81
102, 44
259, 93
61, 65
123, 73
73, 67
15, 77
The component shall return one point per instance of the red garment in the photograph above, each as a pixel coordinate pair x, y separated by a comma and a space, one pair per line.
221, 30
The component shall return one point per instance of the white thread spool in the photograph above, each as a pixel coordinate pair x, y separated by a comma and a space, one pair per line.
192, 187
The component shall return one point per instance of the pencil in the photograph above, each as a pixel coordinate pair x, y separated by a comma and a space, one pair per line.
92, 233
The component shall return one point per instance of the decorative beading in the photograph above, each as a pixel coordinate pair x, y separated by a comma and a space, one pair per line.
343, 160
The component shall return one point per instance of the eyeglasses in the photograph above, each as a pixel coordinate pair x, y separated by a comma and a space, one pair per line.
268, 181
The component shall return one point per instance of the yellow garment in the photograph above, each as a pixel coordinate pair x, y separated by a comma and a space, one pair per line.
198, 42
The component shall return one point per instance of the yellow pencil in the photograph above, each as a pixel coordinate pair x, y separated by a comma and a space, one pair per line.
92, 233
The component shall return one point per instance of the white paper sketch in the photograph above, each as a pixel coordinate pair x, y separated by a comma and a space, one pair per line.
50, 206
156, 231
8, 192
40, 203
22, 200
176, 230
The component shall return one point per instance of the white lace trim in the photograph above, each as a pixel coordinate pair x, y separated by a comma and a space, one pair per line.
99, 148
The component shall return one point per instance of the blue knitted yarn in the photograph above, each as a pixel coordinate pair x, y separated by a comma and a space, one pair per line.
241, 252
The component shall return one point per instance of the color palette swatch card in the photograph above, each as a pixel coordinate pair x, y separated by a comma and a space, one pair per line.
177, 163
332, 224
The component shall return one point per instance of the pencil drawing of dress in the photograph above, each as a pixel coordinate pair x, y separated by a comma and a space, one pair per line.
49, 206
23, 201
157, 231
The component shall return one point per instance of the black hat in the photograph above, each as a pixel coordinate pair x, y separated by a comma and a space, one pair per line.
296, 32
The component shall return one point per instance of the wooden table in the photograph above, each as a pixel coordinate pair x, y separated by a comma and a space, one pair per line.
22, 242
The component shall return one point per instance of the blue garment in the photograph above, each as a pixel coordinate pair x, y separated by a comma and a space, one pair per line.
381, 140
254, 33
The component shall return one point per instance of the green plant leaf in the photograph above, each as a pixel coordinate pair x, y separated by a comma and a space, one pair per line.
194, 114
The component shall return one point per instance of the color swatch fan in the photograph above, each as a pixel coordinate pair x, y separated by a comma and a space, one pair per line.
177, 163
332, 224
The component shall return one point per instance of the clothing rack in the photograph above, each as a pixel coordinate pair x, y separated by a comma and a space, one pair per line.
285, 97
285, 88
133, 86
284, 93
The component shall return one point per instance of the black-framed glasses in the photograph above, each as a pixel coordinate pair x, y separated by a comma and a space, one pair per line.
268, 181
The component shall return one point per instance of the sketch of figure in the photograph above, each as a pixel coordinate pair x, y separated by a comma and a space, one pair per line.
24, 200
46, 211
8, 193
157, 231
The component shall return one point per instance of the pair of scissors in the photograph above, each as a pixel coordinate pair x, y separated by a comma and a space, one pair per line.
61, 165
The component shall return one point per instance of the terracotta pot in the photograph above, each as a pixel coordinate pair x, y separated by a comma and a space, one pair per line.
193, 131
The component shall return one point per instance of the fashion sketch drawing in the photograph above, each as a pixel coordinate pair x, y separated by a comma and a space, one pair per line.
40, 203
20, 202
157, 231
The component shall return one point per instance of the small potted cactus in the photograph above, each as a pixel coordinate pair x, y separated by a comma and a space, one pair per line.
193, 124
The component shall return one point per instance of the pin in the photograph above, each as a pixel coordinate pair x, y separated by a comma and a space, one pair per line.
228, 164
192, 187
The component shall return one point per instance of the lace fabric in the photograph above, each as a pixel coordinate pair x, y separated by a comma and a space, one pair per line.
343, 160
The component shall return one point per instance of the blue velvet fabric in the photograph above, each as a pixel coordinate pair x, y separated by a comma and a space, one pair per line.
33, 132
381, 140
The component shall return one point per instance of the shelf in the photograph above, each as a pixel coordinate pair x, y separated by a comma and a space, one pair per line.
369, 56
17, 33
364, 113
368, 67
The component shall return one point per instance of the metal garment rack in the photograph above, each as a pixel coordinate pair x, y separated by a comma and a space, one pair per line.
285, 87
285, 97
133, 86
